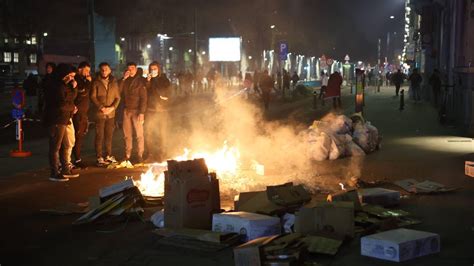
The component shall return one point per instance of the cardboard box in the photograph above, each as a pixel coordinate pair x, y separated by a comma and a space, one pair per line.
379, 196
251, 253
190, 200
116, 188
400, 244
349, 195
335, 217
469, 168
257, 202
250, 224
288, 194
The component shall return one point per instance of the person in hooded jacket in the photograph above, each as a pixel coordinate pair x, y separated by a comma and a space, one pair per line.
59, 109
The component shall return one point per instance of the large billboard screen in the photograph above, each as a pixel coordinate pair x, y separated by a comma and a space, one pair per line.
224, 49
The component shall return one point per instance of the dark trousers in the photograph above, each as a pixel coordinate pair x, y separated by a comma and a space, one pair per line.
416, 93
104, 132
81, 124
336, 102
130, 124
397, 89
56, 139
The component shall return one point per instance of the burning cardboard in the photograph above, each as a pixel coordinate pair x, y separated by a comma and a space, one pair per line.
400, 244
349, 195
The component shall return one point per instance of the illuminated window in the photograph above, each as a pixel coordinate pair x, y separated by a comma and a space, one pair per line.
16, 57
33, 58
33, 39
15, 40
6, 40
28, 41
7, 57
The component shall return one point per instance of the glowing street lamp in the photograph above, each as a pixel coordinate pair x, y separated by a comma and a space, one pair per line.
171, 48
190, 51
148, 46
392, 17
122, 39
272, 26
45, 34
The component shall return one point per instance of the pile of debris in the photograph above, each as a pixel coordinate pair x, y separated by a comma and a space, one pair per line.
285, 223
339, 136
282, 225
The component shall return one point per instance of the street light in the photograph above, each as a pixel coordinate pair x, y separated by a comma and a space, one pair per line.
203, 52
122, 39
250, 57
171, 48
392, 17
45, 34
190, 51
148, 46
272, 26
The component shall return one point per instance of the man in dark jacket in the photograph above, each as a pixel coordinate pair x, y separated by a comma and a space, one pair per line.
294, 79
397, 80
59, 110
80, 119
133, 88
156, 119
266, 85
415, 82
105, 95
286, 81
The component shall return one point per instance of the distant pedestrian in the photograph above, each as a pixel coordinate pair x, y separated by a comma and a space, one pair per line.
415, 82
324, 85
80, 119
266, 86
133, 88
333, 90
286, 81
397, 80
435, 82
294, 79
278, 80
58, 118
31, 87
388, 77
105, 95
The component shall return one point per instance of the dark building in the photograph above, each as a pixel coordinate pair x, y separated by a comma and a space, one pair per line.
444, 39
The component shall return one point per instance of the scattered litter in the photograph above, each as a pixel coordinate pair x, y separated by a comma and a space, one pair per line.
400, 244
332, 217
288, 195
425, 187
196, 239
348, 195
381, 212
379, 196
322, 245
251, 225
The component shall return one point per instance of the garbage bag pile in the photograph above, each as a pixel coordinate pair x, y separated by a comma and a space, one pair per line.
338, 136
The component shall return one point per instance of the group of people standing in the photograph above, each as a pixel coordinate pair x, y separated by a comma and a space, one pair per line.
68, 94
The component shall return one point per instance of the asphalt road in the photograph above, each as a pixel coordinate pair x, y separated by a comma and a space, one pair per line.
414, 146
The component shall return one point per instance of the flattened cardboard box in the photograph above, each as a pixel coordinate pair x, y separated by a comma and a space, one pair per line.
251, 253
190, 202
336, 217
400, 244
379, 196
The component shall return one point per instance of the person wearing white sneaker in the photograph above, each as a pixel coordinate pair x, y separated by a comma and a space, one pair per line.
105, 95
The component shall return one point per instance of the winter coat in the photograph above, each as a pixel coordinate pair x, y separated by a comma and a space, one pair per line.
134, 94
103, 96
334, 86
59, 100
156, 87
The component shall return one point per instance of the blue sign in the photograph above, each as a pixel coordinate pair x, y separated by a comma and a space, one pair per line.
283, 47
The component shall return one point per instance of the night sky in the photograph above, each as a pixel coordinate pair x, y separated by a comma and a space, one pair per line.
312, 27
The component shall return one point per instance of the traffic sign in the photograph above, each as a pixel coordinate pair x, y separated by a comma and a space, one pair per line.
283, 50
